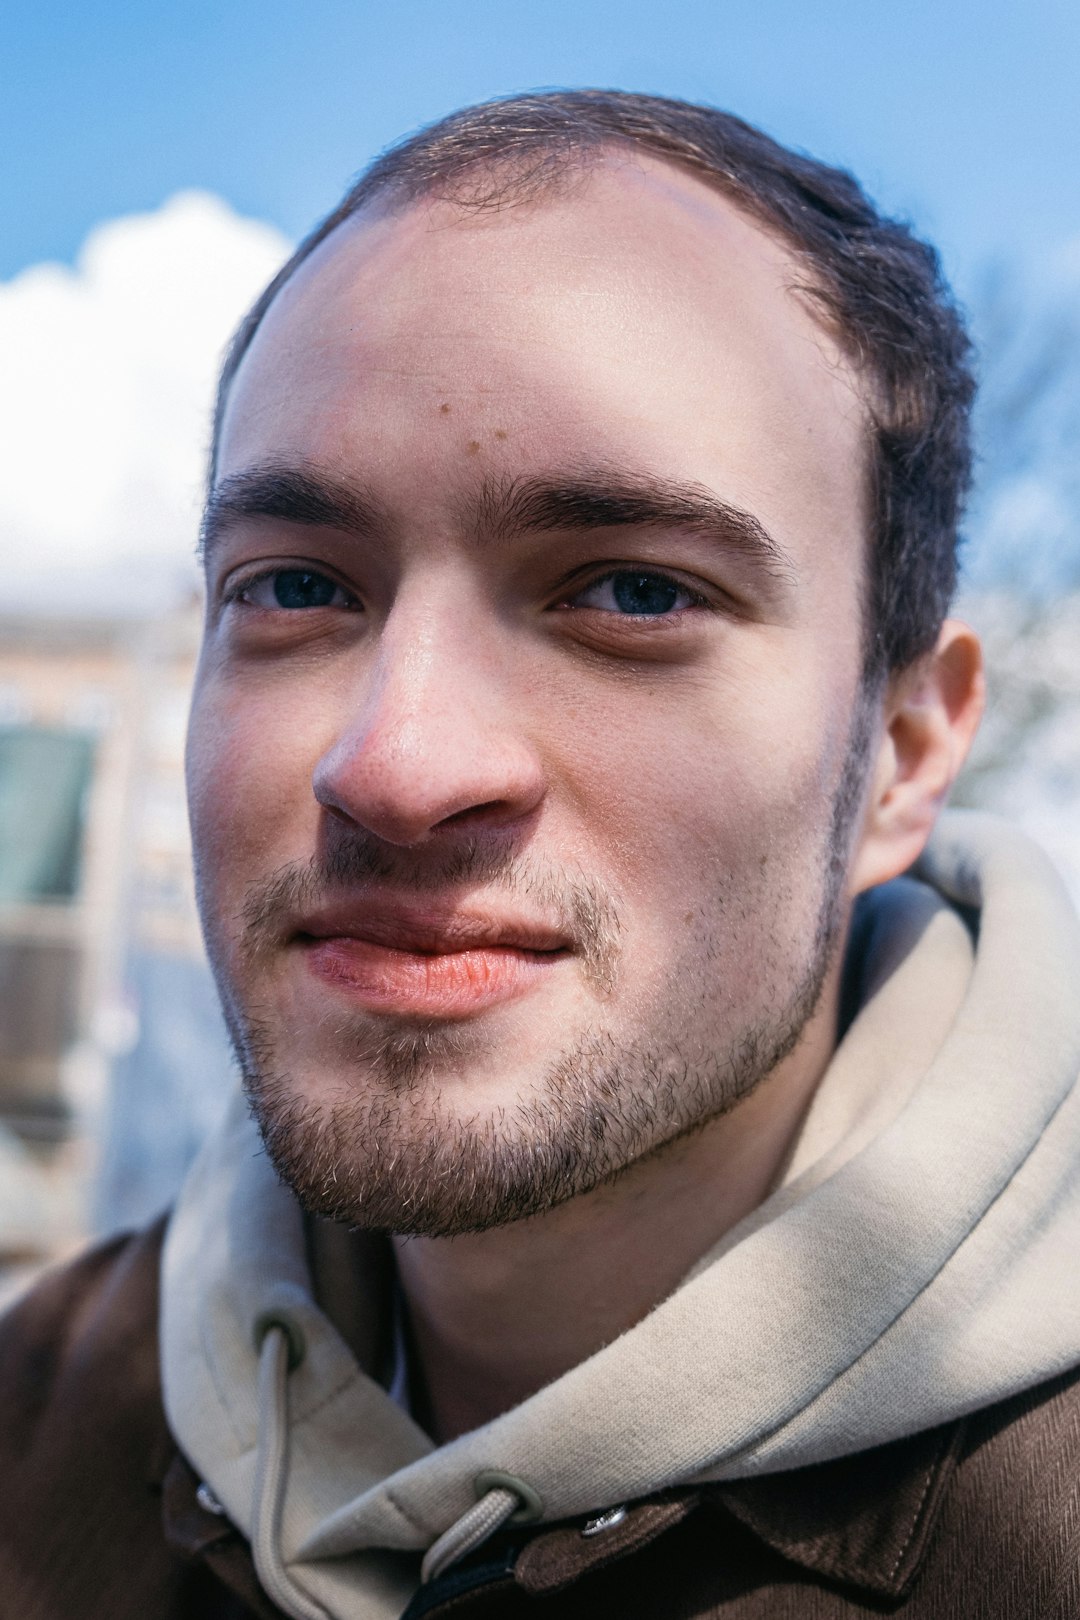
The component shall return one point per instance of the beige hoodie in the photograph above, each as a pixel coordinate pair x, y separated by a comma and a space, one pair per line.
916, 1262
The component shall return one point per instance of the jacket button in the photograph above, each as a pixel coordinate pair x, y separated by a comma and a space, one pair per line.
208, 1501
604, 1521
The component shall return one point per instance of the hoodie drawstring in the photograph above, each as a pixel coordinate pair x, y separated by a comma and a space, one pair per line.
465, 1534
501, 1497
280, 1349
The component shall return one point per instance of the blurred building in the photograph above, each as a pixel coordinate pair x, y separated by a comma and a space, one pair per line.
103, 986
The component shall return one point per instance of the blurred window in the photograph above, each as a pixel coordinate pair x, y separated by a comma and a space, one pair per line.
91, 710
45, 777
15, 706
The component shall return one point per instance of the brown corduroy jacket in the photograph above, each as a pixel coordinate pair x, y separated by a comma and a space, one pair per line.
100, 1517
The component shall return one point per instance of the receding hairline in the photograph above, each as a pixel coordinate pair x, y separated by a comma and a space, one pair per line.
490, 185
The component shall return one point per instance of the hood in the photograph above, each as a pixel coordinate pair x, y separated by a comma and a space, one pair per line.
911, 1266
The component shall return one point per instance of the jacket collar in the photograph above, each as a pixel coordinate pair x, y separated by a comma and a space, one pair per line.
862, 1521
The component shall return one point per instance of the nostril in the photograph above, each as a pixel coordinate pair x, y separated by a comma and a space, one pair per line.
472, 812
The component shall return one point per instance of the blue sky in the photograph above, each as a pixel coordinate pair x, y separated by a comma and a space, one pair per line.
963, 115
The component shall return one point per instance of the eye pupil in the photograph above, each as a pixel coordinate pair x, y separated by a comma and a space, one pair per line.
644, 593
296, 588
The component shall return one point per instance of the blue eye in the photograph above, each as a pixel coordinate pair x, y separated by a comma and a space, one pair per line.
293, 588
640, 594
297, 588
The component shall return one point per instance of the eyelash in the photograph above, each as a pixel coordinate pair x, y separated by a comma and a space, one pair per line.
577, 588
641, 571
235, 592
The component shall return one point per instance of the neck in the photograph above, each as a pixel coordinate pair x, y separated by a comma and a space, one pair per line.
496, 1315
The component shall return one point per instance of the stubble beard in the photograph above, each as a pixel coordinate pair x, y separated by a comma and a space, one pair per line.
386, 1152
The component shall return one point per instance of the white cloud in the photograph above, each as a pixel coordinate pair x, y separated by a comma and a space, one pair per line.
106, 381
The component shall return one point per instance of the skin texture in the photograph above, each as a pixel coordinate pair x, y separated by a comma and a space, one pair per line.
525, 909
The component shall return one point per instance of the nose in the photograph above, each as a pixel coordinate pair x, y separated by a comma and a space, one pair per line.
436, 738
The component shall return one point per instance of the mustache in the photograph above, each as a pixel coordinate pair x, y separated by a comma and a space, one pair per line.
574, 904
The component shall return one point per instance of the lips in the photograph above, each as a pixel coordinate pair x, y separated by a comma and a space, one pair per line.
428, 963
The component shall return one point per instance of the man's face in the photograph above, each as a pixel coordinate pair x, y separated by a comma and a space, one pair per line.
521, 756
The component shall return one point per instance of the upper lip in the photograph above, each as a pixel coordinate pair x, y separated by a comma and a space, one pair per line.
431, 929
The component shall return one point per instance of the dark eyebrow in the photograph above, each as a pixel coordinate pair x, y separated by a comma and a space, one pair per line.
295, 494
607, 499
603, 498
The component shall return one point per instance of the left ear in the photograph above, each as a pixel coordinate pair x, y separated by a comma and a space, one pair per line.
931, 712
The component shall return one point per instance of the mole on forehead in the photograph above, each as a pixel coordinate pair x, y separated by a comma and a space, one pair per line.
377, 274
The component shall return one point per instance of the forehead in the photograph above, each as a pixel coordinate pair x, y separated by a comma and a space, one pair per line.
633, 315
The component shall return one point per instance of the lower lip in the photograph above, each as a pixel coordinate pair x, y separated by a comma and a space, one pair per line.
450, 984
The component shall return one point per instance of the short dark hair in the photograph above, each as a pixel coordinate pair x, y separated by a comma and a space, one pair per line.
879, 287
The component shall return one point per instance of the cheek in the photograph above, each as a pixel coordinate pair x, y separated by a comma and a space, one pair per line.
687, 791
249, 767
